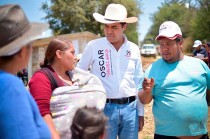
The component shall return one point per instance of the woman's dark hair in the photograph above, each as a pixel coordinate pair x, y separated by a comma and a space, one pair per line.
54, 45
88, 123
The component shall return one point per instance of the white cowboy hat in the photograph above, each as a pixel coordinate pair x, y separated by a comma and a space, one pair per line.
16, 30
115, 13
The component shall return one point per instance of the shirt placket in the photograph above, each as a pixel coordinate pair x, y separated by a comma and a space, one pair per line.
119, 64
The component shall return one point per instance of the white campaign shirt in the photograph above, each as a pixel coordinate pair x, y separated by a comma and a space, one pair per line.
120, 71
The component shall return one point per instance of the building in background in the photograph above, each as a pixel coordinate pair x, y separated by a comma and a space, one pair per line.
39, 47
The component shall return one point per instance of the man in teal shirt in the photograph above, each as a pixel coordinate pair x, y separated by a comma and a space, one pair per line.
177, 84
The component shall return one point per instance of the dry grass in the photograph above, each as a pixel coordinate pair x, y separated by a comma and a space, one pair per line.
146, 61
148, 130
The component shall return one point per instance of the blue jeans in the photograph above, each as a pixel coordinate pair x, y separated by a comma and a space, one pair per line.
123, 120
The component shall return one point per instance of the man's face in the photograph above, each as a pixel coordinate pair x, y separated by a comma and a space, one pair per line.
170, 50
198, 48
114, 32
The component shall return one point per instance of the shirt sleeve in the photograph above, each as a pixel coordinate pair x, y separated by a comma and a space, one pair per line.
140, 107
194, 52
87, 58
138, 78
17, 117
40, 89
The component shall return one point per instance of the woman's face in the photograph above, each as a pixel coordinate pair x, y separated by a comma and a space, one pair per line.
68, 58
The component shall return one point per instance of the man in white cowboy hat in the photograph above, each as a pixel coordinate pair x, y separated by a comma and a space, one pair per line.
20, 117
177, 84
116, 61
199, 51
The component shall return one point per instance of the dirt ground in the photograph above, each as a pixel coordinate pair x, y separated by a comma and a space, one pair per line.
148, 130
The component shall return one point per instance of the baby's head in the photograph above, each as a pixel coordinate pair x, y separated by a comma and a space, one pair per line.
88, 123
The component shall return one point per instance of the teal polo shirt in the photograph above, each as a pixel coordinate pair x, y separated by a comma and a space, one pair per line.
179, 93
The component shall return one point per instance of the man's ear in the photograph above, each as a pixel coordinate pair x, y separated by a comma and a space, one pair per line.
181, 43
125, 26
22, 52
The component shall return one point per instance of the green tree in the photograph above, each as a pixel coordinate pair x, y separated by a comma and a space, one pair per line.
189, 3
176, 12
69, 16
200, 28
193, 16
169, 2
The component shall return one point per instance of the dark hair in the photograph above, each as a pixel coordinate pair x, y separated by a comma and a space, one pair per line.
7, 58
179, 39
88, 123
208, 44
123, 23
54, 45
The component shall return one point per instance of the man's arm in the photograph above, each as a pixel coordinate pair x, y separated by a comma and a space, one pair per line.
145, 97
138, 78
140, 114
141, 122
145, 94
205, 59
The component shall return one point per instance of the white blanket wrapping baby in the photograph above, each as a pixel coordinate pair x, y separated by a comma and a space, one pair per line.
86, 91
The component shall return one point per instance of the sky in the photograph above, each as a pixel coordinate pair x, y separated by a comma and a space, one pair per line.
33, 11
148, 7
